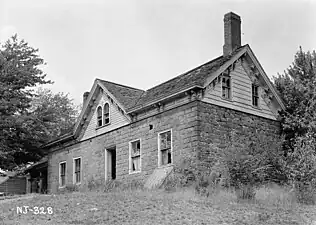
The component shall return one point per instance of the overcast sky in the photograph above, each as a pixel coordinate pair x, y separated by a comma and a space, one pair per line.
142, 43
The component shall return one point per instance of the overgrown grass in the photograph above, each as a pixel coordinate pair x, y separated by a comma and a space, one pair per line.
273, 205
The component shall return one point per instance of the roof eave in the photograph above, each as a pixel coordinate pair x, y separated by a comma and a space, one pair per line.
63, 139
162, 99
268, 82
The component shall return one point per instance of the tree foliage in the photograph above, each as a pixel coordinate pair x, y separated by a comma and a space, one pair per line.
19, 73
27, 119
297, 87
55, 113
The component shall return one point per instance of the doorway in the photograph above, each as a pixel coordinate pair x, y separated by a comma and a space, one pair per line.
110, 163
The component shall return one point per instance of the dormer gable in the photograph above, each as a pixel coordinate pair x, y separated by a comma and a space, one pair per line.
104, 110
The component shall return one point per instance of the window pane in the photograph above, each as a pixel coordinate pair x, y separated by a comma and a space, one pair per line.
106, 113
62, 180
106, 108
169, 155
63, 169
164, 157
77, 165
135, 148
168, 134
99, 116
136, 163
62, 174
78, 177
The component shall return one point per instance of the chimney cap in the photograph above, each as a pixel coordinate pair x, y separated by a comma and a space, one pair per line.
231, 15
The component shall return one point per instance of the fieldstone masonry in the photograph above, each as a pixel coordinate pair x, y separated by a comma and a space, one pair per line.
216, 125
194, 126
182, 120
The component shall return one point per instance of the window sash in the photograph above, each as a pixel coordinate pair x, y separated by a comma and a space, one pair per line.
165, 148
77, 177
99, 116
62, 180
77, 165
62, 174
166, 156
135, 148
226, 93
106, 113
255, 95
77, 170
165, 140
135, 163
255, 100
226, 87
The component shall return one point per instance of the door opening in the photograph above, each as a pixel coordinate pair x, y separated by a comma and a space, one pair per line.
110, 166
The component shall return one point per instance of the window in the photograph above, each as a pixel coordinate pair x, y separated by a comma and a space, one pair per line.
255, 95
99, 116
226, 94
134, 150
164, 148
62, 174
106, 115
77, 171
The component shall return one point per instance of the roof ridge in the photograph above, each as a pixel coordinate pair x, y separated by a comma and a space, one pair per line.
191, 70
120, 85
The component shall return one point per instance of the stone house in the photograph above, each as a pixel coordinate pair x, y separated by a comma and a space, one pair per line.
128, 134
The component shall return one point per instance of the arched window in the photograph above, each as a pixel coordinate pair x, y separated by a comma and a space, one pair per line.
106, 113
99, 116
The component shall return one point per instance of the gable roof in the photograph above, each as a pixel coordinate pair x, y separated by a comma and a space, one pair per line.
127, 96
133, 99
193, 78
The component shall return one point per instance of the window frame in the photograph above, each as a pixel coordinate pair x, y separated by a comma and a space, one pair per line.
99, 119
255, 96
109, 114
74, 175
130, 171
226, 87
59, 174
159, 149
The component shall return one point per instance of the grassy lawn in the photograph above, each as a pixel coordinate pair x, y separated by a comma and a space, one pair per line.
155, 207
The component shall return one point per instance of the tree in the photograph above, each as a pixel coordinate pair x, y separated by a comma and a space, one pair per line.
54, 113
19, 73
297, 87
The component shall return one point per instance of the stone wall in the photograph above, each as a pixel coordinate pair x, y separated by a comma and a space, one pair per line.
182, 120
194, 126
216, 125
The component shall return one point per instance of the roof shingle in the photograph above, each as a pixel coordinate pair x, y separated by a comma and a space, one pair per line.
133, 98
127, 96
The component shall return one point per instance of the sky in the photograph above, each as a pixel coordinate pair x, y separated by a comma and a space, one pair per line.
142, 43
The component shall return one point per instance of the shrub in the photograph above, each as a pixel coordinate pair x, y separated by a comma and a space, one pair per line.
301, 168
249, 162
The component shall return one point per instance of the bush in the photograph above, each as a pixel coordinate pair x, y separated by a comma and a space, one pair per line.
248, 162
301, 168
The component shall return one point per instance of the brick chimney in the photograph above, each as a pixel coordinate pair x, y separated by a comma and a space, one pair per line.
232, 33
85, 96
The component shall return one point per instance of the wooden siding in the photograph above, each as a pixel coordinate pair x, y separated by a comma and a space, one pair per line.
241, 95
117, 119
14, 185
